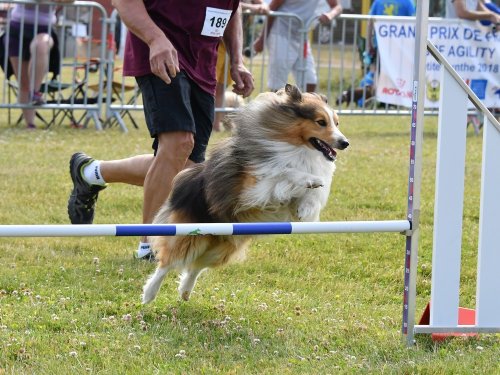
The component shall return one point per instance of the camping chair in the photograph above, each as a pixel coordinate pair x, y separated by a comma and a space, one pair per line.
81, 94
119, 92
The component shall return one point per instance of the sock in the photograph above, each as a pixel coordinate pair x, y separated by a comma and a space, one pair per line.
92, 173
143, 249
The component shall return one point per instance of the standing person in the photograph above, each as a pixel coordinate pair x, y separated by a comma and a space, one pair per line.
223, 77
472, 10
398, 8
171, 49
30, 63
284, 42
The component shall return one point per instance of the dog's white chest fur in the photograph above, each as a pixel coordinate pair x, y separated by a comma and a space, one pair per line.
293, 184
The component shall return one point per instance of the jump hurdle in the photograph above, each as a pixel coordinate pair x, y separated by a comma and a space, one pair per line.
232, 229
448, 210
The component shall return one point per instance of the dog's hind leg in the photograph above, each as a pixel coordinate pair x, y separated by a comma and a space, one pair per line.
153, 284
188, 280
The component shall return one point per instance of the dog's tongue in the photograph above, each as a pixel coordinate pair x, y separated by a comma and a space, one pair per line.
329, 153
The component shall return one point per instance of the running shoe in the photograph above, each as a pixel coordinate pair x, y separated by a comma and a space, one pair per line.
81, 203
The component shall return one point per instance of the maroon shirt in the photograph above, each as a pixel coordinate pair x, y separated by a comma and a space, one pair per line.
182, 22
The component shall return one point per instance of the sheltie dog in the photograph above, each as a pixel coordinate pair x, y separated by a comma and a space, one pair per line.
277, 166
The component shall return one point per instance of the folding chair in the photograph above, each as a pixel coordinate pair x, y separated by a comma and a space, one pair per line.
119, 90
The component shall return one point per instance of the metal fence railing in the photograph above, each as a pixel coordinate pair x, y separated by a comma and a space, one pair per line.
90, 85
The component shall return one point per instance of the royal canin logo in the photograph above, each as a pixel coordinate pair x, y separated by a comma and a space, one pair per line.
392, 91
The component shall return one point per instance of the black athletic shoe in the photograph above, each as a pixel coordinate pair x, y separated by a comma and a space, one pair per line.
81, 203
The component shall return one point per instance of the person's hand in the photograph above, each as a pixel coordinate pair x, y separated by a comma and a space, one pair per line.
163, 59
261, 8
367, 59
243, 80
258, 44
325, 19
495, 19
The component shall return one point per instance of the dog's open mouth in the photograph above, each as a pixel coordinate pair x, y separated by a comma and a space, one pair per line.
324, 148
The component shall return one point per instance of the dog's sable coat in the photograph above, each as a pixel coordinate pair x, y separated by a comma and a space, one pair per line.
277, 166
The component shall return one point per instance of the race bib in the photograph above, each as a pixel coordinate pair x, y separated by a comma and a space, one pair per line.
216, 21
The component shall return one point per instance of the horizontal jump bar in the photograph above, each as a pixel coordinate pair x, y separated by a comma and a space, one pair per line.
455, 329
120, 230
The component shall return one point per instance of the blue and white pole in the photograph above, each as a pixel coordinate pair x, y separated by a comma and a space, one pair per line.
120, 230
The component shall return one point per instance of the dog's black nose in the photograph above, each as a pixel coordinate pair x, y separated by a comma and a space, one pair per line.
343, 144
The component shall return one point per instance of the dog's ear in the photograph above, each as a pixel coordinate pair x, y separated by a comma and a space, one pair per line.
293, 92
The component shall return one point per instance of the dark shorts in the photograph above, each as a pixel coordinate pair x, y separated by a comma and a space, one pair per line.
180, 106
29, 32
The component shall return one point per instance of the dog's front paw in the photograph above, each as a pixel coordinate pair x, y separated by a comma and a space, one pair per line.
185, 295
314, 183
308, 211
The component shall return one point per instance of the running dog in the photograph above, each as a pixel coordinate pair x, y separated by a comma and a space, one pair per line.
277, 166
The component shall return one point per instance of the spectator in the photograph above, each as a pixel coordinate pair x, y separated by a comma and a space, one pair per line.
171, 49
284, 42
223, 76
381, 8
30, 63
473, 10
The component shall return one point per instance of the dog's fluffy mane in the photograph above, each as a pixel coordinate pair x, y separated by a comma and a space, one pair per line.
257, 150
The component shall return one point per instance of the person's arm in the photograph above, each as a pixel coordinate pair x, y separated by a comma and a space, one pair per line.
335, 11
481, 13
256, 6
369, 36
274, 6
162, 54
233, 40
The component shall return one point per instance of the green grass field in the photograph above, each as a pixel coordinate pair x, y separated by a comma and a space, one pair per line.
300, 304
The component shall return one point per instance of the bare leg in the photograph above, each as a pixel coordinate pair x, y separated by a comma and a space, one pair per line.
311, 87
40, 49
24, 94
219, 102
131, 171
173, 151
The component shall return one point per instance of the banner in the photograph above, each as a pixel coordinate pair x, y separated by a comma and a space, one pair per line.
472, 49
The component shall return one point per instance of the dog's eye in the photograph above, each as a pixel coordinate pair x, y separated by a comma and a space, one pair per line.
321, 122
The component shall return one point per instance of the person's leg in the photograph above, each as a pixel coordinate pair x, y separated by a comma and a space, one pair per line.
91, 176
19, 59
130, 171
282, 55
308, 77
219, 102
24, 94
223, 80
172, 154
39, 63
